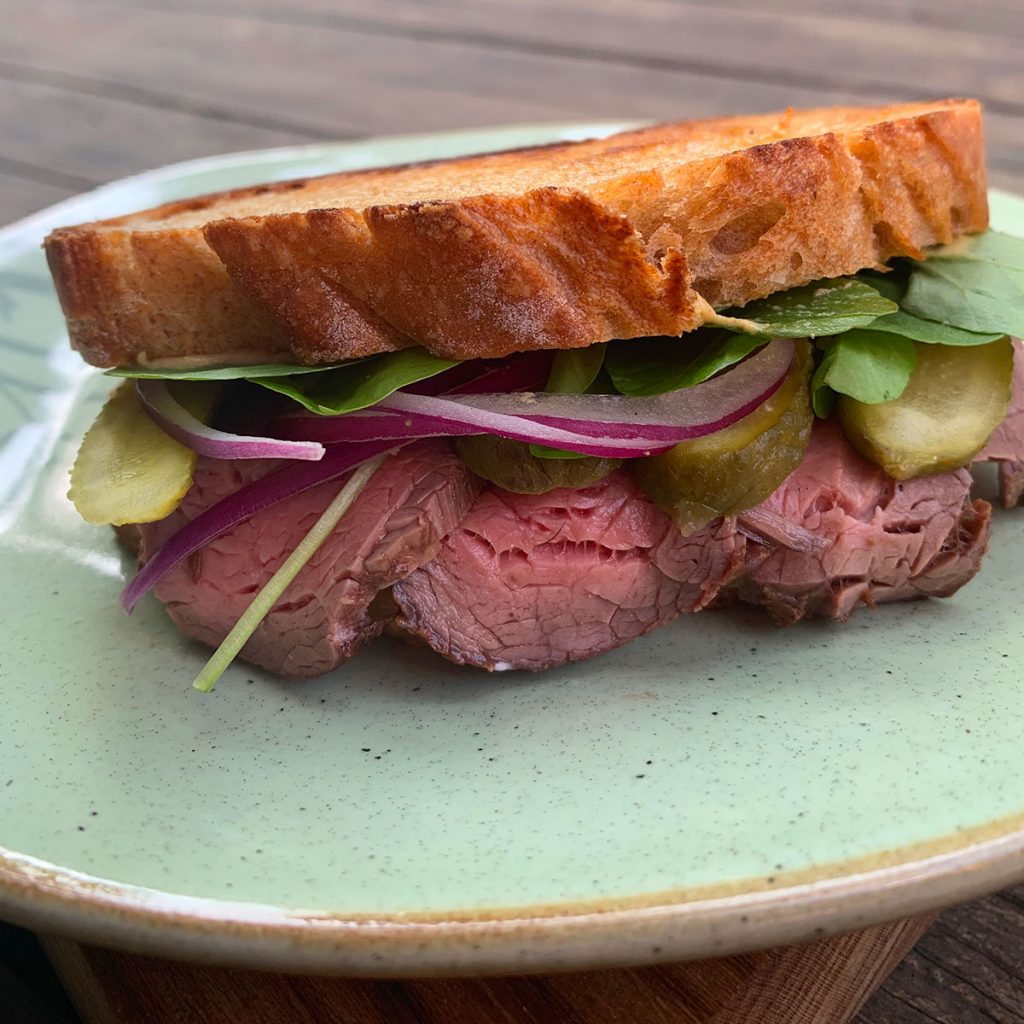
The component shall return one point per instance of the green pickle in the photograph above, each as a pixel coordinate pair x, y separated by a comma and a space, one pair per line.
955, 398
127, 469
510, 465
736, 468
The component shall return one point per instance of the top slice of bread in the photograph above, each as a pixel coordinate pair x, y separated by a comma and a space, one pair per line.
553, 247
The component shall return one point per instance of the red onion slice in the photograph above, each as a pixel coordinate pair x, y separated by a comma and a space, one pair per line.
677, 416
246, 502
458, 421
526, 372
674, 416
174, 419
614, 426
447, 416
529, 370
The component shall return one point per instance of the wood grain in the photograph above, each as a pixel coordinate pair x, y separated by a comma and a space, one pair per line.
472, 63
765, 44
122, 87
105, 137
95, 89
819, 983
968, 969
22, 194
994, 17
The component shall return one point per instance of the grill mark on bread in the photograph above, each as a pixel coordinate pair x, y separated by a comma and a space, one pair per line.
849, 180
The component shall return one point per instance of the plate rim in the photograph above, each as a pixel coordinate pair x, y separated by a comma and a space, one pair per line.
604, 934
653, 928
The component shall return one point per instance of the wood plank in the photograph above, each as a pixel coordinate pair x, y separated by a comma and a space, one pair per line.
968, 968
819, 983
96, 138
834, 984
757, 44
21, 195
341, 84
391, 83
991, 16
1012, 180
94, 132
145, 96
887, 1008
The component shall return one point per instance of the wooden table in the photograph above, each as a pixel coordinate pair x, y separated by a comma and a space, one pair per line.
94, 89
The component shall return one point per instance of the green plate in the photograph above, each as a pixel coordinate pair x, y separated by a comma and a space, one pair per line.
718, 786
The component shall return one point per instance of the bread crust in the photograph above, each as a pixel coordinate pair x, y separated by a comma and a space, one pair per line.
483, 276
554, 247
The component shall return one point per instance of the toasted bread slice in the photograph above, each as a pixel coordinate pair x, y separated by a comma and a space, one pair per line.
553, 247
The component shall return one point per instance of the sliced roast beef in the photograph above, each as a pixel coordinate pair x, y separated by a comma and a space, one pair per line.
1006, 445
533, 581
395, 525
877, 540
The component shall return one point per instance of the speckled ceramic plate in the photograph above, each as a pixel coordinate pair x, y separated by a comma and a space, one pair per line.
717, 786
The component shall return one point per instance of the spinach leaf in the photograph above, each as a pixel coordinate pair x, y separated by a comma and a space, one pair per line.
653, 366
823, 398
244, 372
890, 284
931, 332
822, 308
355, 386
967, 293
1003, 250
927, 324
869, 366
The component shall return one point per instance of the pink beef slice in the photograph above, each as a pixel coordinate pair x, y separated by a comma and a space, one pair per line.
1006, 445
395, 525
879, 540
533, 581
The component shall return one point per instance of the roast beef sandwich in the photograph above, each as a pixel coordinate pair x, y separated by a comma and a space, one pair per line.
528, 406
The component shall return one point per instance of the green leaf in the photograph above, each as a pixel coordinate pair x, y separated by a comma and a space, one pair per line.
356, 387
251, 371
823, 398
653, 366
542, 451
891, 284
572, 373
575, 369
825, 307
869, 366
967, 293
1006, 251
932, 332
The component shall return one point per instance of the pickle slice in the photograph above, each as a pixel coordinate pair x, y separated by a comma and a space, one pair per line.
738, 467
510, 465
127, 469
955, 398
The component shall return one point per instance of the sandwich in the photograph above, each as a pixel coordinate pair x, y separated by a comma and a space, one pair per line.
528, 406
